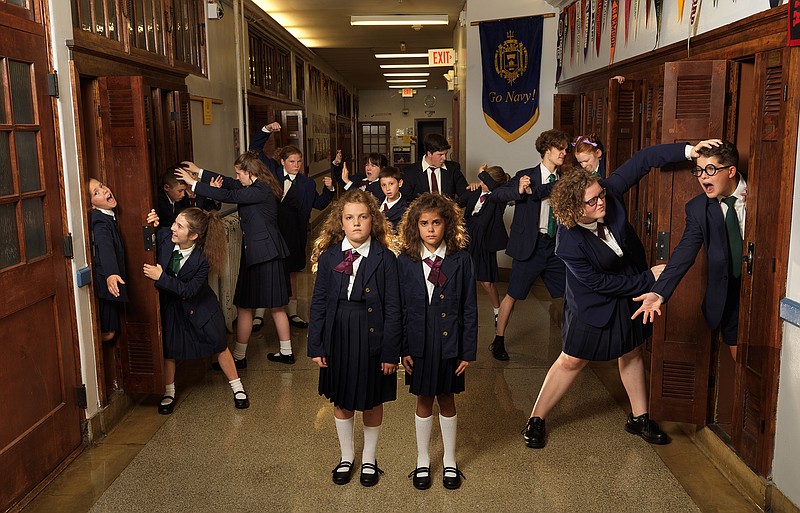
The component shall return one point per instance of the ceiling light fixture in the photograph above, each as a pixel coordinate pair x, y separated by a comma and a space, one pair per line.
401, 55
406, 80
401, 19
405, 86
406, 74
401, 66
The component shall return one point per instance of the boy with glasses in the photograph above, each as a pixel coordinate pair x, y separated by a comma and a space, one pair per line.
714, 219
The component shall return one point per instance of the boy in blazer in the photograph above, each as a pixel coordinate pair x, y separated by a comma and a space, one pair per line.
394, 204
368, 180
447, 180
715, 219
531, 242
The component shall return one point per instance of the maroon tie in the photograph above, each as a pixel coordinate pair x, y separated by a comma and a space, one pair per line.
601, 230
364, 183
434, 183
346, 265
436, 276
385, 208
482, 198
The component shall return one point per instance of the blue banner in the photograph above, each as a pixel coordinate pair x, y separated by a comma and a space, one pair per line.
511, 53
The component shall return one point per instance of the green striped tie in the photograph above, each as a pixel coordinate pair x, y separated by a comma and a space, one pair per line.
734, 236
176, 261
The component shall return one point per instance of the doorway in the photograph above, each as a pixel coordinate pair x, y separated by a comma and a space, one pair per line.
423, 127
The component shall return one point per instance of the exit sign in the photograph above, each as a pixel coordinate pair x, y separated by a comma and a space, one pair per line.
441, 57
407, 93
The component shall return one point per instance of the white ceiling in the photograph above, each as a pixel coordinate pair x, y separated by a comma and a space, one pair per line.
324, 27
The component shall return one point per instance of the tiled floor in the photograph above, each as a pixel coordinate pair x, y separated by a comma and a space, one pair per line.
277, 455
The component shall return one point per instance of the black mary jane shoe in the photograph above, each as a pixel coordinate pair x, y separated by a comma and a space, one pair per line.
240, 364
452, 481
166, 409
279, 357
240, 400
297, 322
370, 479
258, 323
421, 482
342, 473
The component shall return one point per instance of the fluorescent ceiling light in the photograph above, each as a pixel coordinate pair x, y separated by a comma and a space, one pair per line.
401, 55
421, 74
405, 86
400, 19
402, 66
407, 80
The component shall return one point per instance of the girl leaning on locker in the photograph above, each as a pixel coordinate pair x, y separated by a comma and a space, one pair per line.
262, 281
440, 325
354, 333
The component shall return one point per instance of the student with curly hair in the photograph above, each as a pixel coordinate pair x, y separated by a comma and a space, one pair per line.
440, 323
354, 330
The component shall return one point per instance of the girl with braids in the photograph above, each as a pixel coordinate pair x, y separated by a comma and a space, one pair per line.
263, 281
354, 331
440, 325
192, 324
588, 153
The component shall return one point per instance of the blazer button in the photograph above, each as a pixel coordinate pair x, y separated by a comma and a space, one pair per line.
191, 312
441, 296
372, 330
369, 309
366, 290
444, 314
444, 333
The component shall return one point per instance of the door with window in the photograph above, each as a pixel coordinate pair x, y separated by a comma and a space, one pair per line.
41, 421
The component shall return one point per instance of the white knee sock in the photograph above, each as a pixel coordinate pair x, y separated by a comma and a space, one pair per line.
169, 390
286, 347
449, 427
423, 426
240, 351
344, 428
370, 446
236, 385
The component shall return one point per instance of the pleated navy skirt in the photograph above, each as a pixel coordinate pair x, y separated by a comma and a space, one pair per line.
620, 336
353, 379
109, 315
181, 339
264, 285
433, 375
485, 262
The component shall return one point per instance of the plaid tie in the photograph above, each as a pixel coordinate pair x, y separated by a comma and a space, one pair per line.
734, 236
436, 276
176, 261
346, 265
552, 226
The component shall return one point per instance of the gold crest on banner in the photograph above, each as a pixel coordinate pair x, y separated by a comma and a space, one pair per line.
510, 58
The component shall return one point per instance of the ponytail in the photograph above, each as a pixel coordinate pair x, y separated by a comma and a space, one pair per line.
210, 236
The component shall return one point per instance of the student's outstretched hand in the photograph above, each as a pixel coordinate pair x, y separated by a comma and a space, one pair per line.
462, 366
388, 368
187, 172
153, 271
322, 361
327, 181
408, 364
338, 159
708, 143
113, 282
651, 305
216, 182
152, 218
345, 173
273, 127
525, 185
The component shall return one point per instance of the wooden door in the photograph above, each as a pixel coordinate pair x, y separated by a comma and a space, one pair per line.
623, 126
644, 218
693, 110
567, 114
769, 203
41, 421
292, 128
593, 113
127, 133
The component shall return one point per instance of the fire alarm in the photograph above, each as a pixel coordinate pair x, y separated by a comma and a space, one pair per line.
215, 10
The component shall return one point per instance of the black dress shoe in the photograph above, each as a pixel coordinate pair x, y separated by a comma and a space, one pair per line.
240, 364
166, 409
646, 428
498, 349
452, 478
342, 473
535, 433
281, 358
258, 323
421, 482
240, 400
370, 479
297, 322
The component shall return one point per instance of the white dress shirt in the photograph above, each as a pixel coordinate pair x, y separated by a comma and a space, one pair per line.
441, 252
362, 250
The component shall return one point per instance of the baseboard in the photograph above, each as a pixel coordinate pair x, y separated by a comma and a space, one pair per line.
119, 404
778, 503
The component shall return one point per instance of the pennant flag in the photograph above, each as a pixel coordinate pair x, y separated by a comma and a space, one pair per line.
579, 26
511, 55
794, 24
562, 32
614, 23
680, 10
695, 12
635, 18
605, 13
646, 13
659, 9
587, 5
776, 3
571, 18
598, 27
627, 19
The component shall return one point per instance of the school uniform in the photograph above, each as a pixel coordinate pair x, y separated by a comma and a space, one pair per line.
108, 258
529, 243
359, 179
294, 210
601, 168
450, 180
168, 210
355, 323
263, 281
487, 232
192, 324
602, 276
440, 323
394, 212
705, 226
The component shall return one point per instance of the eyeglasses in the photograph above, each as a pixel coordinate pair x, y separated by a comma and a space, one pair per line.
593, 201
710, 170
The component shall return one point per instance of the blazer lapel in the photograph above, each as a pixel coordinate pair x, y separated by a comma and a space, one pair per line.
370, 264
450, 267
191, 263
336, 258
716, 222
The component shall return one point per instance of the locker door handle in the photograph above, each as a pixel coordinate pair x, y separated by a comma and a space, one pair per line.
149, 237
648, 223
748, 257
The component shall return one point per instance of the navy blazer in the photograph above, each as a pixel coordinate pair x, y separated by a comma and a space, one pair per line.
258, 216
415, 180
492, 236
382, 294
524, 236
453, 308
167, 212
108, 255
190, 288
373, 188
309, 198
704, 226
593, 290
395, 214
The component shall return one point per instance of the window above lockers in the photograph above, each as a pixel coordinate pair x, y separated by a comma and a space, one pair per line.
169, 32
269, 64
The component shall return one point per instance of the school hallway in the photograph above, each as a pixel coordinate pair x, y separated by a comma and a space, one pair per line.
278, 454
